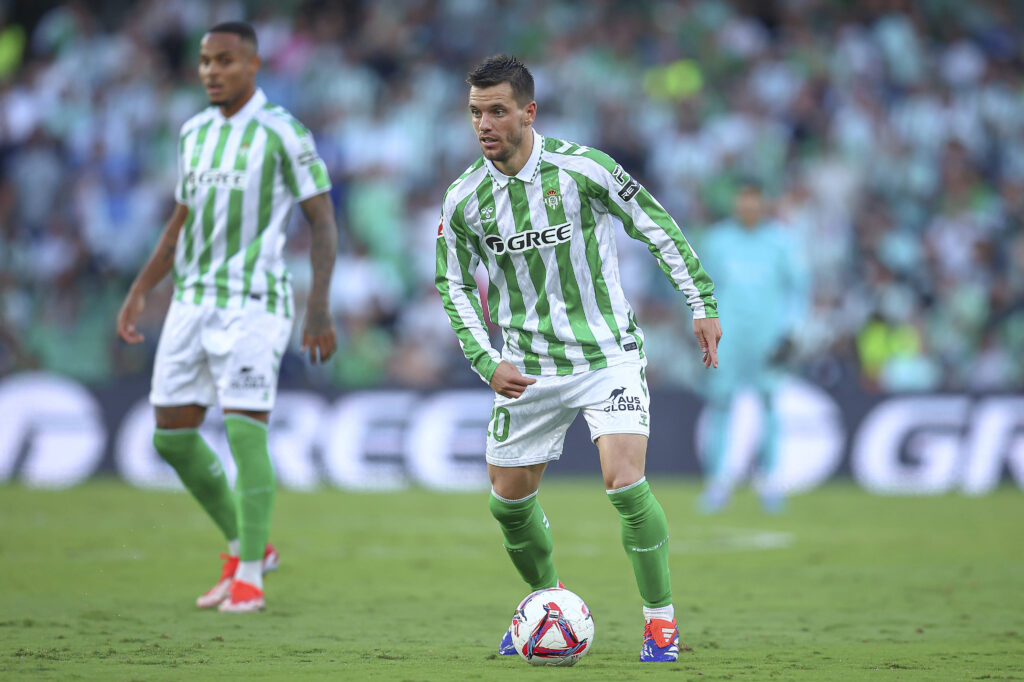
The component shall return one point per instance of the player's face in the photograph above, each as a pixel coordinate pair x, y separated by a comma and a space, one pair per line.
227, 68
749, 207
500, 122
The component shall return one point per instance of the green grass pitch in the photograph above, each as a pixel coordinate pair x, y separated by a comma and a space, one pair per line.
98, 582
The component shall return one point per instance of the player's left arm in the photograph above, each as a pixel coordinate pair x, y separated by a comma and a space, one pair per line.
318, 334
644, 219
306, 177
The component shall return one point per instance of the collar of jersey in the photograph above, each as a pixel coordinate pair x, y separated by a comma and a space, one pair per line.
254, 104
527, 173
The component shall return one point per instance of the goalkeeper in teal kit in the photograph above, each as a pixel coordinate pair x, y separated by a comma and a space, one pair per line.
761, 283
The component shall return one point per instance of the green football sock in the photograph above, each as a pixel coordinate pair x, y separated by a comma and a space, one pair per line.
527, 539
255, 485
200, 470
645, 539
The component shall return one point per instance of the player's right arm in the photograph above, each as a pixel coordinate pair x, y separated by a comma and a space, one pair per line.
456, 262
156, 268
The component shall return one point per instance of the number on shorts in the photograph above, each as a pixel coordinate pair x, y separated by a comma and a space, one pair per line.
501, 421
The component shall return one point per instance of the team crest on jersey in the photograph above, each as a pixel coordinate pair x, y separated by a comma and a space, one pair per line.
487, 213
552, 199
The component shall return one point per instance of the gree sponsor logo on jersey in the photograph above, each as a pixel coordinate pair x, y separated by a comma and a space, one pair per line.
224, 179
487, 213
530, 239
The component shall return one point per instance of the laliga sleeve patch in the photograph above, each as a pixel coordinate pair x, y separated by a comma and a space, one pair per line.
629, 190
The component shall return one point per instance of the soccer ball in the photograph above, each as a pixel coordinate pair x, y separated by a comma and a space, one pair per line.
552, 627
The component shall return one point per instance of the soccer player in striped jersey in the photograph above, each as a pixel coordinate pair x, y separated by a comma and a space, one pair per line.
243, 164
541, 214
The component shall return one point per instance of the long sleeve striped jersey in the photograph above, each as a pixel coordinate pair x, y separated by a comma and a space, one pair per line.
547, 240
240, 177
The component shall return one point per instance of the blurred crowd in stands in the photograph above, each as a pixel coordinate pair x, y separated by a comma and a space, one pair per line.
888, 135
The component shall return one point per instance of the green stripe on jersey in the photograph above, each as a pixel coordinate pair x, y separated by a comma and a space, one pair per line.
516, 302
538, 276
271, 148
485, 203
318, 170
472, 168
286, 287
693, 265
289, 175
271, 293
206, 254
234, 226
285, 115
593, 250
476, 353
660, 217
179, 278
319, 173
189, 226
574, 309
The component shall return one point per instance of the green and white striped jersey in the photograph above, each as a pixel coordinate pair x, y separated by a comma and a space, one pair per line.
547, 240
239, 178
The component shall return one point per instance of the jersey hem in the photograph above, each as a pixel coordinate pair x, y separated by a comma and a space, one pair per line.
612, 431
617, 360
310, 195
509, 464
164, 401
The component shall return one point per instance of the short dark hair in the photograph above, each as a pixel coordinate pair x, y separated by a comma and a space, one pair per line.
749, 183
241, 29
504, 69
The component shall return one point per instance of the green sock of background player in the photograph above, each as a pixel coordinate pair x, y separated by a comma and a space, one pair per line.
527, 539
201, 473
645, 539
254, 489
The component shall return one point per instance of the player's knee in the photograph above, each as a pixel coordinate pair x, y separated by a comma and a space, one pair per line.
173, 444
616, 480
509, 513
180, 416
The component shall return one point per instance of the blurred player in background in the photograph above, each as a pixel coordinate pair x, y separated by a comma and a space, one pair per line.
541, 216
243, 163
762, 287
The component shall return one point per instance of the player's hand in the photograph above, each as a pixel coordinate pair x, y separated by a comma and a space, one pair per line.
508, 381
131, 309
318, 335
708, 331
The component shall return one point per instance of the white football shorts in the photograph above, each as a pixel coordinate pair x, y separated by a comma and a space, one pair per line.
531, 429
210, 355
